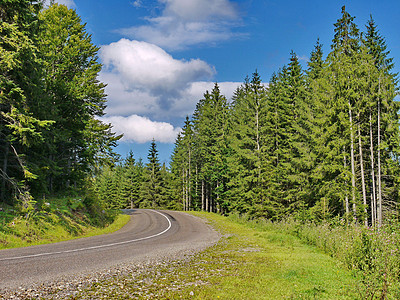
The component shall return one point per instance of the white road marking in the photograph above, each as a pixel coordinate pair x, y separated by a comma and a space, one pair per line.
95, 247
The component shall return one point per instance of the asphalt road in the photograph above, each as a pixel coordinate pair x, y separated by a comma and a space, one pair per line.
148, 235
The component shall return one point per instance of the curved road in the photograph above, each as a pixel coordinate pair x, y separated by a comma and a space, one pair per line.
148, 235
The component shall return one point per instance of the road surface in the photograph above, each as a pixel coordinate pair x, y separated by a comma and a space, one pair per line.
148, 235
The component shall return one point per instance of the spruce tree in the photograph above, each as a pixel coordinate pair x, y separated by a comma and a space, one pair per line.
131, 182
210, 122
153, 185
383, 125
246, 143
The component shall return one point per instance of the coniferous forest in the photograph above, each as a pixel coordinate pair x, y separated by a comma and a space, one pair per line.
315, 142
313, 150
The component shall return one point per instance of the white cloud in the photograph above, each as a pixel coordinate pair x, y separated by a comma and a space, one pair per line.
123, 114
188, 22
68, 3
144, 79
125, 100
148, 66
141, 129
199, 9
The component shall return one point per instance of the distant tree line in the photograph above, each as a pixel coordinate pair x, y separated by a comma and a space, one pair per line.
133, 184
316, 143
50, 98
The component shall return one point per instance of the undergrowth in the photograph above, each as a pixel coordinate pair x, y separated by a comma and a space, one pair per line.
372, 254
55, 220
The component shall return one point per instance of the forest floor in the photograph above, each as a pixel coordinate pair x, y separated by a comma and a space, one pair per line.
246, 263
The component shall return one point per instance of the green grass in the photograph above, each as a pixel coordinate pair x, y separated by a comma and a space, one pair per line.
247, 263
64, 219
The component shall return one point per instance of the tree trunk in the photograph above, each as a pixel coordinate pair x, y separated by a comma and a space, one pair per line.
207, 198
353, 169
197, 184
379, 208
4, 171
183, 190
346, 202
373, 194
258, 147
218, 204
203, 206
364, 193
186, 191
211, 199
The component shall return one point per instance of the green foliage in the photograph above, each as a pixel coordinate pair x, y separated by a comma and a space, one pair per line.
131, 184
247, 141
20, 84
77, 142
372, 254
56, 220
316, 143
50, 96
154, 185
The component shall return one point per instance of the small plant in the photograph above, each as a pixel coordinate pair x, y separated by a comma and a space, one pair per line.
371, 253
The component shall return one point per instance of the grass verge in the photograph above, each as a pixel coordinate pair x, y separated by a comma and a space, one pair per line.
63, 219
247, 263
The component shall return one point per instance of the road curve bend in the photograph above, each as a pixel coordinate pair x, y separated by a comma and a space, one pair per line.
149, 235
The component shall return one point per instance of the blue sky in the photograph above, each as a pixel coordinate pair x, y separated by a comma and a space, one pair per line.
160, 56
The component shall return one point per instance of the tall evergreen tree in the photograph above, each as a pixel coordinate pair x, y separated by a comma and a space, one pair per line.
246, 142
383, 125
210, 129
131, 182
154, 185
183, 165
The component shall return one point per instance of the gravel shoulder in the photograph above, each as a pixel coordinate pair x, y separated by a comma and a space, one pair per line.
188, 236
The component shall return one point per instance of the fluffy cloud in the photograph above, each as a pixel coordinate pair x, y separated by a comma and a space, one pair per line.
144, 79
141, 129
187, 22
145, 84
148, 66
125, 100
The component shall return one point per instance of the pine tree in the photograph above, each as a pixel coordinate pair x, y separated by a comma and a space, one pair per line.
383, 125
183, 165
131, 182
210, 129
272, 153
341, 63
153, 185
319, 90
246, 142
